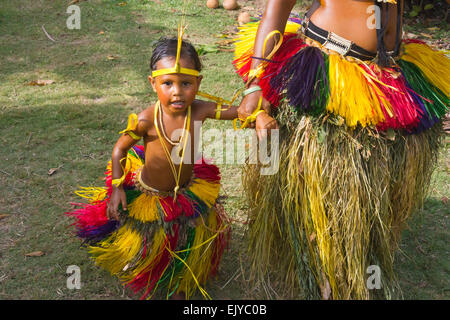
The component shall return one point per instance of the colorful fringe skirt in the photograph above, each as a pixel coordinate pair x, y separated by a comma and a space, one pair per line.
157, 242
358, 145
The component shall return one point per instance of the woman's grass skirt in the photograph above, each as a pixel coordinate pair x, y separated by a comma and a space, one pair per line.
358, 147
157, 242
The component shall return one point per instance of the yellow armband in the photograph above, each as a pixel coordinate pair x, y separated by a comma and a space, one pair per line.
219, 101
132, 125
257, 73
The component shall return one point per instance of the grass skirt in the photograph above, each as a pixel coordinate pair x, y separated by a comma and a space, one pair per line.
157, 242
358, 147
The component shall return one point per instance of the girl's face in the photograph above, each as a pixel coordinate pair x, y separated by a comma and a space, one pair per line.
176, 92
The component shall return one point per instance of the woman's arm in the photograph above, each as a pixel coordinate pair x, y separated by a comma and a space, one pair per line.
275, 17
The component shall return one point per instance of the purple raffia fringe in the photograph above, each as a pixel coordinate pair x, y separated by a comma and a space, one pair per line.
426, 120
301, 76
95, 234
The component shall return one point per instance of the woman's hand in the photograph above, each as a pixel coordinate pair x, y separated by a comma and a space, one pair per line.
249, 104
264, 124
117, 197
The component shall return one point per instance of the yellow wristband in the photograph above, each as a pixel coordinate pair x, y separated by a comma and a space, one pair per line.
218, 110
117, 182
251, 118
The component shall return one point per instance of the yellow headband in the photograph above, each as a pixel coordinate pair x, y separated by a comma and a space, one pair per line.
177, 68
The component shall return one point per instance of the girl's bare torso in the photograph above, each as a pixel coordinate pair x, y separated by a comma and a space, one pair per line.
157, 171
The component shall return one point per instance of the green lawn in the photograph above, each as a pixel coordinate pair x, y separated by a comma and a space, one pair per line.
100, 76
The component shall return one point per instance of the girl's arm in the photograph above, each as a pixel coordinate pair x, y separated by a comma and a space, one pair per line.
209, 111
118, 160
264, 122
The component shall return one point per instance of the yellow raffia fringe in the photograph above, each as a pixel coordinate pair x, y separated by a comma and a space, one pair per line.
132, 164
199, 260
246, 38
206, 191
92, 194
202, 291
117, 250
152, 258
144, 208
434, 64
351, 95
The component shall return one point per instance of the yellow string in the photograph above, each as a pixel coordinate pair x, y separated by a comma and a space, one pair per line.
202, 291
256, 73
166, 151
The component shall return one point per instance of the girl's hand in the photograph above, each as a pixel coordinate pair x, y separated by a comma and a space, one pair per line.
249, 104
117, 197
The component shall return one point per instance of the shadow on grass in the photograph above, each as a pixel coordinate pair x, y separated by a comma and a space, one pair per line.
113, 44
422, 262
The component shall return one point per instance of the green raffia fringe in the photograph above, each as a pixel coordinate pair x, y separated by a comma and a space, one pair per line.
417, 80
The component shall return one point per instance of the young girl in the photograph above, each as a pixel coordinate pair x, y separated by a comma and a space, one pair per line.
158, 223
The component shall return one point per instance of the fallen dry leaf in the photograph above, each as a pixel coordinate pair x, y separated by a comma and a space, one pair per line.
101, 32
53, 170
41, 82
426, 35
111, 57
122, 4
34, 254
3, 216
325, 288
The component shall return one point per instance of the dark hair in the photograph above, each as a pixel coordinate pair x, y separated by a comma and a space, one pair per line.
167, 47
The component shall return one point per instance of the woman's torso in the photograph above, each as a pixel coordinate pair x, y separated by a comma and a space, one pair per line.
354, 20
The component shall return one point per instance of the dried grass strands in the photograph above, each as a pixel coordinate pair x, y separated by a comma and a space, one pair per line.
336, 206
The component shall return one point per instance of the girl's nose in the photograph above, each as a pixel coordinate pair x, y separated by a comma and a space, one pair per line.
176, 89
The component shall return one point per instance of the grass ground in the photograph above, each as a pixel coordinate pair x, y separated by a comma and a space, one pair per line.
59, 136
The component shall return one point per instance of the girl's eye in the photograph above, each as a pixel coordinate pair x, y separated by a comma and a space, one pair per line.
167, 83
186, 83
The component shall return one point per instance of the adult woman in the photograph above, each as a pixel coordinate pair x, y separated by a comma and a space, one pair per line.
359, 114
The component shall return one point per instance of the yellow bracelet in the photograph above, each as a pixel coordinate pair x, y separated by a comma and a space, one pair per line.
251, 118
117, 182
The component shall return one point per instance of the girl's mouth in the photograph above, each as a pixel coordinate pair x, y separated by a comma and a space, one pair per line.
178, 104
